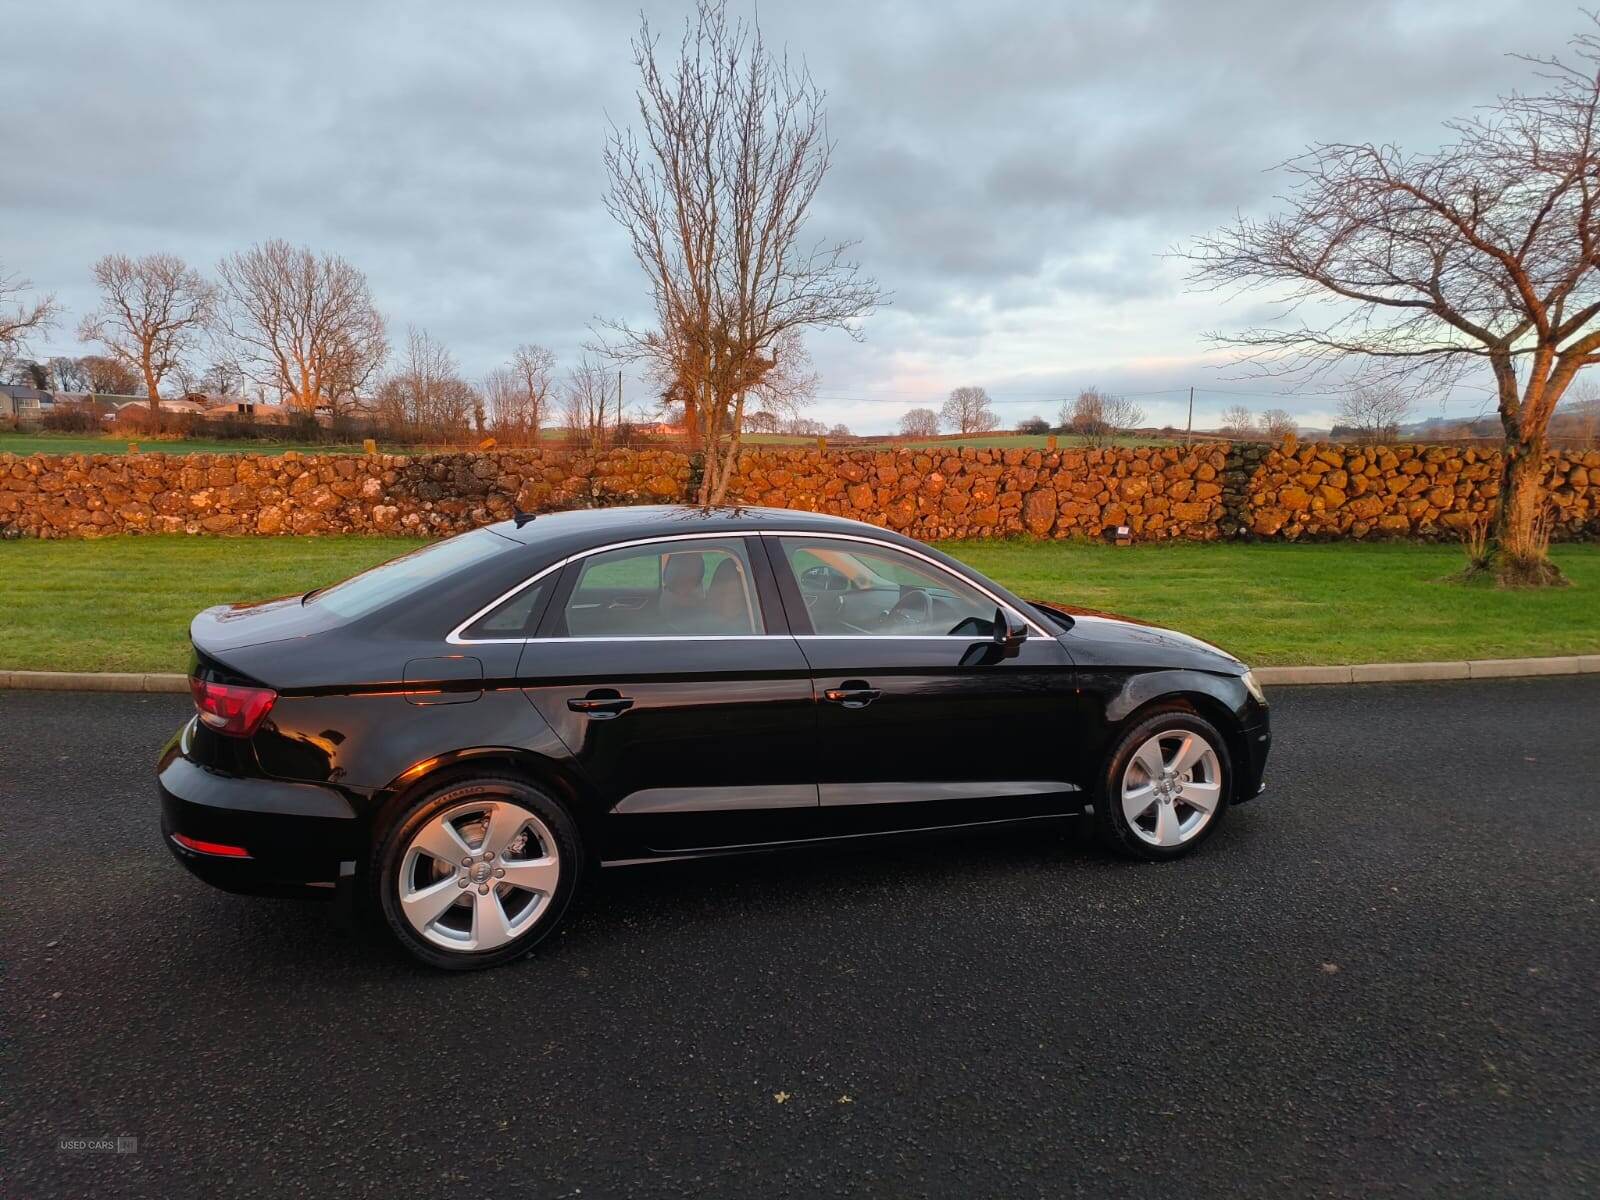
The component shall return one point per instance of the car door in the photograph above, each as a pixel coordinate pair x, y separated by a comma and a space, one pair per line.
666, 669
923, 720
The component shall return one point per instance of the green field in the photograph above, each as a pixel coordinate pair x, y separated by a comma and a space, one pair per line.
88, 443
1012, 441
124, 603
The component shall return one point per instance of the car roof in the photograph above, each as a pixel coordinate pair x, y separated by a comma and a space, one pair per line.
561, 533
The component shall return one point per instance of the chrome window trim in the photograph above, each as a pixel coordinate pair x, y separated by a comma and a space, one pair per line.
455, 638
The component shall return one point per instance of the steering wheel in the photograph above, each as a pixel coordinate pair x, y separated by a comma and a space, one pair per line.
915, 607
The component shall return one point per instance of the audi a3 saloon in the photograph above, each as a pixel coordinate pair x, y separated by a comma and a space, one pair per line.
457, 739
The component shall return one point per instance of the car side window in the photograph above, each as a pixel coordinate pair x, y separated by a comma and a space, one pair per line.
853, 589
513, 618
692, 588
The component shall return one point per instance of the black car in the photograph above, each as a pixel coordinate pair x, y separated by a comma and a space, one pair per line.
458, 737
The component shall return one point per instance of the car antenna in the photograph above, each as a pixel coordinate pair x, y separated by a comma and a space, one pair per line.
522, 518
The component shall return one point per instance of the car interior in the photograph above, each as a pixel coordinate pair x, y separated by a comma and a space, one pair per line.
850, 592
653, 591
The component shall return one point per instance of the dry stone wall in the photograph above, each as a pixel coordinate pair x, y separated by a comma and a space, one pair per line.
1331, 491
1202, 492
929, 494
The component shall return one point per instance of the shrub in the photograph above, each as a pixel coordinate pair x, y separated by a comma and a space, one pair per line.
70, 418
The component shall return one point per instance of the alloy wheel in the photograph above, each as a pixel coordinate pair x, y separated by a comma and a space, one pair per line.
478, 875
1171, 787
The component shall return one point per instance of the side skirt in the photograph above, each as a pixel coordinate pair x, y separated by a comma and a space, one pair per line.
822, 842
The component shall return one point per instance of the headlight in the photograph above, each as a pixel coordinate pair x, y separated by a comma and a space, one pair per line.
1254, 688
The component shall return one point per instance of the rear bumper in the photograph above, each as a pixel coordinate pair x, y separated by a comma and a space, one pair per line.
300, 838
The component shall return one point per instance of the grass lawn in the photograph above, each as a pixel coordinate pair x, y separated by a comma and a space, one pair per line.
123, 604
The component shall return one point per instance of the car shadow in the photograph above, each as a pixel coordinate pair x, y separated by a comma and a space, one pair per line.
622, 904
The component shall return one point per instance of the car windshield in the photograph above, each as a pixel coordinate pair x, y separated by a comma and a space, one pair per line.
400, 577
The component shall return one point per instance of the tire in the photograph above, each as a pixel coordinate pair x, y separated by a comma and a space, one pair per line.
1174, 820
477, 872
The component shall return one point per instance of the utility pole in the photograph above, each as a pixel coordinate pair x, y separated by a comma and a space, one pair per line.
1188, 433
619, 399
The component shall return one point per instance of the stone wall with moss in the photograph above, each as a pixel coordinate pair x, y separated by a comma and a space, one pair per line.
1201, 492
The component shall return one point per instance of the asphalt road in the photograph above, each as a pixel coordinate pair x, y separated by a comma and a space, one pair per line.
1381, 979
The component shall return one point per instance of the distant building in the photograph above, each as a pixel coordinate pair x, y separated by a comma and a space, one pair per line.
20, 403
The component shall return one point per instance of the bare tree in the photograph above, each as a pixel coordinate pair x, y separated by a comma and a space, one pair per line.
109, 376
426, 393
28, 373
152, 312
69, 373
589, 402
1238, 423
1121, 413
1276, 424
1374, 410
967, 410
1088, 415
1485, 253
302, 325
919, 423
21, 317
714, 192
519, 393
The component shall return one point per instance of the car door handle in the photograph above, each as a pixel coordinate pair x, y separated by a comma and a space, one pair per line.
852, 695
600, 707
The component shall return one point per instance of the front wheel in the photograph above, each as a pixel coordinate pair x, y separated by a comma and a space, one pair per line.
1165, 787
476, 873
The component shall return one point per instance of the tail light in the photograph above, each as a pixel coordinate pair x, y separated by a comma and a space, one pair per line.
231, 708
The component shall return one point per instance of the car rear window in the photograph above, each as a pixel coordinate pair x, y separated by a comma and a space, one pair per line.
401, 577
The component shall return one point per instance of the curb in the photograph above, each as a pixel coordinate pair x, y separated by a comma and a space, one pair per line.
93, 681
1405, 672
1483, 668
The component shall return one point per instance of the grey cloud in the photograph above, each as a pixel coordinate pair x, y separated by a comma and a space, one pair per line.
1012, 170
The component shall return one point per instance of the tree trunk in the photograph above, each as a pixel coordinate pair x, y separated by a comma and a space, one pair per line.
153, 387
1519, 545
730, 459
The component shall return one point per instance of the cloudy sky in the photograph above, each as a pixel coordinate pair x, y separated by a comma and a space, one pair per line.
1013, 171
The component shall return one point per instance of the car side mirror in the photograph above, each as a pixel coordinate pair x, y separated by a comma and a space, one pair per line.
1009, 634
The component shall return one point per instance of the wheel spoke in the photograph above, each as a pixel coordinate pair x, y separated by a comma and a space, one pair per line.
440, 839
424, 907
1149, 757
490, 926
1190, 751
504, 820
1137, 801
1167, 829
1202, 796
535, 874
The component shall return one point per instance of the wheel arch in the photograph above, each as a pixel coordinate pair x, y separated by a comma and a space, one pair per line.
1208, 696
562, 780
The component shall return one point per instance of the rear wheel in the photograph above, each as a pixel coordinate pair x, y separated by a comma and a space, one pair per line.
1165, 787
478, 872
